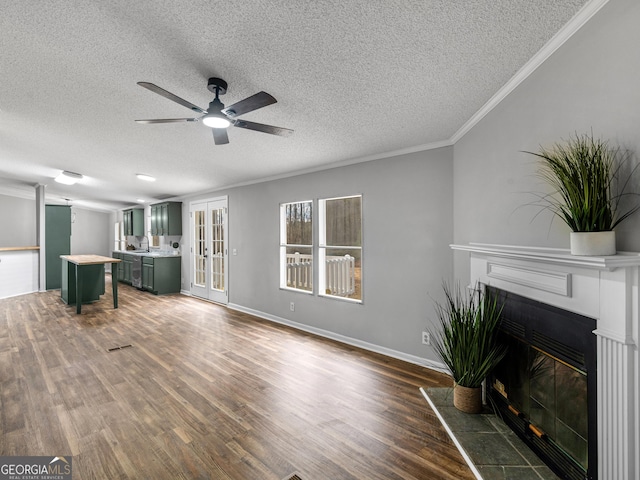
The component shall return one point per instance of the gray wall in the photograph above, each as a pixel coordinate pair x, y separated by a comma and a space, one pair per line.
18, 220
407, 229
91, 232
591, 82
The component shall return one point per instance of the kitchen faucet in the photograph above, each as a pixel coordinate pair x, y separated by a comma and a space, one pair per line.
145, 238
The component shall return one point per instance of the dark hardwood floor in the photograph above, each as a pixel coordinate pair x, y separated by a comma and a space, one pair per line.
207, 392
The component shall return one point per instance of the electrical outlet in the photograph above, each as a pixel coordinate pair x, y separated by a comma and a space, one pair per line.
426, 338
292, 307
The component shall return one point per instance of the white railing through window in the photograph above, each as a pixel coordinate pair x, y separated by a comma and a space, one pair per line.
341, 278
341, 275
300, 271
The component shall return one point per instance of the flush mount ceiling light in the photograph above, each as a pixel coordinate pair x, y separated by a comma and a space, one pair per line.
146, 178
68, 178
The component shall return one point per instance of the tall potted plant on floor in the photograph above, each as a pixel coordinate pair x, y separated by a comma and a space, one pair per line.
590, 182
467, 342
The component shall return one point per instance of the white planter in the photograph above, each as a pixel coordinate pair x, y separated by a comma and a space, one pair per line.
593, 243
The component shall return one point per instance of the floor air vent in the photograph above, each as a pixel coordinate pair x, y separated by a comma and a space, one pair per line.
113, 349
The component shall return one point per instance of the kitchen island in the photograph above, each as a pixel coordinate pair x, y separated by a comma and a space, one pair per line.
83, 279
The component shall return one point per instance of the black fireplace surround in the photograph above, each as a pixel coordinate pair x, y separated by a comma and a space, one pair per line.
545, 388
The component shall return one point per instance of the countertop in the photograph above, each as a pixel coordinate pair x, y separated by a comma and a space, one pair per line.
152, 253
17, 249
89, 259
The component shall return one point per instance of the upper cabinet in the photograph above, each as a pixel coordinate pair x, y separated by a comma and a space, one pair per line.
133, 220
166, 218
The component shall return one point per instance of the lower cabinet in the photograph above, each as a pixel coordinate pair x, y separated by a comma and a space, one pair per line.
161, 275
92, 283
127, 264
147, 273
119, 256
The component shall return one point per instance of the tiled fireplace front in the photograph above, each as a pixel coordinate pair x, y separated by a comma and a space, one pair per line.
601, 288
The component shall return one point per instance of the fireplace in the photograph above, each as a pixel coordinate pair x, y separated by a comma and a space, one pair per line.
604, 290
545, 388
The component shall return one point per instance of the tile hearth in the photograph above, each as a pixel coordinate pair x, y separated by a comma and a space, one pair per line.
488, 444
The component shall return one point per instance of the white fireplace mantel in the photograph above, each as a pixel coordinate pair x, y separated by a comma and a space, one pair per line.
603, 288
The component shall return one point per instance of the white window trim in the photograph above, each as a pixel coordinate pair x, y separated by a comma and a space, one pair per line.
283, 248
322, 248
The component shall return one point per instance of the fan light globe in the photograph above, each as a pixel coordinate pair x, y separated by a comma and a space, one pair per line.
216, 121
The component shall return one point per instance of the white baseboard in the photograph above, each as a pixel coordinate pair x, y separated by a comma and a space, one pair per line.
423, 362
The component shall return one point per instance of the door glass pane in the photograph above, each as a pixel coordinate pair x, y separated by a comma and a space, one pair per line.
199, 253
217, 249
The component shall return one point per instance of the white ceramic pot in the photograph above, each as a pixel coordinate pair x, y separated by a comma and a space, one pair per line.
593, 243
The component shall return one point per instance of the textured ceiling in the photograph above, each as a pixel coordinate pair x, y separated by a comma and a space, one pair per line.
353, 78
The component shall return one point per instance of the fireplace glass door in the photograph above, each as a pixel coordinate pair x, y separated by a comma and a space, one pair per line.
550, 393
545, 387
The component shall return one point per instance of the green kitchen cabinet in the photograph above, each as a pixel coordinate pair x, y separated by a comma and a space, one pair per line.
166, 218
57, 228
161, 275
127, 266
147, 273
119, 256
92, 282
133, 222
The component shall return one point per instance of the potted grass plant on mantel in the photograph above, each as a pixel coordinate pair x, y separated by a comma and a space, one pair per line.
467, 342
591, 183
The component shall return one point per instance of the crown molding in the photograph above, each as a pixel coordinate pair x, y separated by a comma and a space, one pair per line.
565, 33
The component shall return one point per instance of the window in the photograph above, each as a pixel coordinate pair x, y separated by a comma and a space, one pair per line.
296, 246
340, 249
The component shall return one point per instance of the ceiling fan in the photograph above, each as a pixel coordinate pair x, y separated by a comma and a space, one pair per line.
217, 116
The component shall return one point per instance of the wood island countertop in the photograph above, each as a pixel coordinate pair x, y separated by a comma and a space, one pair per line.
89, 259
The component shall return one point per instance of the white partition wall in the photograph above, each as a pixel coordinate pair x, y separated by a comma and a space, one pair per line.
19, 271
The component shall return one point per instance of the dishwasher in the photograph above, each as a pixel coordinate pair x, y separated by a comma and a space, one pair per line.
136, 271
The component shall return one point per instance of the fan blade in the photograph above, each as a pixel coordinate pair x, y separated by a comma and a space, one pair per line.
171, 96
260, 127
168, 120
249, 104
220, 136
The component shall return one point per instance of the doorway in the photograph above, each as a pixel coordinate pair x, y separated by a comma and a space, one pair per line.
209, 273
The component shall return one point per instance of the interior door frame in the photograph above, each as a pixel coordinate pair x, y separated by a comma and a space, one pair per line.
207, 292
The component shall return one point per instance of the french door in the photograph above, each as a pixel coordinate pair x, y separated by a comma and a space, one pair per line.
209, 276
